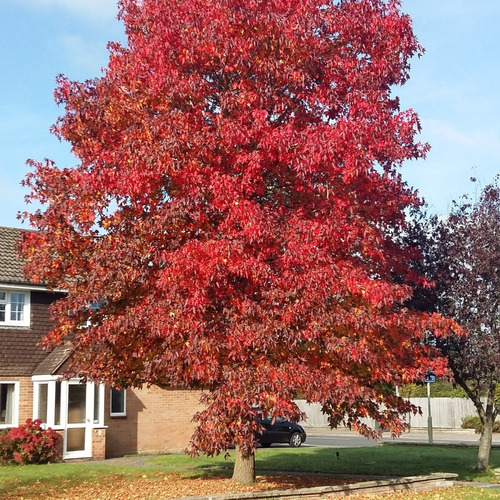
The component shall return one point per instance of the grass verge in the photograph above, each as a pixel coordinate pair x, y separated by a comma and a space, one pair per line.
398, 460
370, 461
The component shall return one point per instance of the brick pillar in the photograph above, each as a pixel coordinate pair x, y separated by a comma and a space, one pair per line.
99, 443
59, 446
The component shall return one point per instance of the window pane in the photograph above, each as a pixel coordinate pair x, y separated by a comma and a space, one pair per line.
117, 401
57, 412
43, 398
6, 404
77, 395
17, 306
97, 402
75, 439
2, 306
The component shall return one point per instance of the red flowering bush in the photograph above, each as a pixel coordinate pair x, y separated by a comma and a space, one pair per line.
28, 444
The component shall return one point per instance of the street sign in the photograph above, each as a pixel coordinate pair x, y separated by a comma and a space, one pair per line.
430, 377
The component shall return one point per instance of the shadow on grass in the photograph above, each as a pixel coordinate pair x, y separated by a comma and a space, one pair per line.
397, 461
401, 460
208, 473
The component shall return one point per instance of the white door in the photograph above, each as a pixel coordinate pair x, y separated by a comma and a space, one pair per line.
78, 401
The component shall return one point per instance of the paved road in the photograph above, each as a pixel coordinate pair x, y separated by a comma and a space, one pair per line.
347, 438
337, 439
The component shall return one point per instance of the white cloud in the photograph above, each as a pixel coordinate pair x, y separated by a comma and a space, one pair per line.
84, 55
482, 140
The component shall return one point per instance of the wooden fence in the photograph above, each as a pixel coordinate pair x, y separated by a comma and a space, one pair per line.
447, 413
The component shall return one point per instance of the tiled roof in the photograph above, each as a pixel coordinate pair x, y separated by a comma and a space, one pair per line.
19, 352
11, 266
51, 364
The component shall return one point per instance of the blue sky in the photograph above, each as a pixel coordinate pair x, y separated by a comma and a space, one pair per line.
453, 87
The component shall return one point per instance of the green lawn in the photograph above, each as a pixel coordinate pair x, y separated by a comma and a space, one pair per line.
398, 460
401, 460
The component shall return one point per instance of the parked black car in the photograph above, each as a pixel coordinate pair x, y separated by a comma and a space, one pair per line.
281, 431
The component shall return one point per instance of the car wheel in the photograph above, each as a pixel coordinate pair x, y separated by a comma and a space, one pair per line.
295, 440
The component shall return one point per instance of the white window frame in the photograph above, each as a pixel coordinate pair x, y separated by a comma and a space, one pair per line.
51, 400
124, 395
15, 403
7, 302
100, 388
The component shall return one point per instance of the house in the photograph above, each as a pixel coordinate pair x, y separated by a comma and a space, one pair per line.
93, 420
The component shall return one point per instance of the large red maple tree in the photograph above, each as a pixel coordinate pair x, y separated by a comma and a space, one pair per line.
235, 211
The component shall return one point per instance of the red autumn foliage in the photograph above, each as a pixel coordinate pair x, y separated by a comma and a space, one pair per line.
236, 209
28, 444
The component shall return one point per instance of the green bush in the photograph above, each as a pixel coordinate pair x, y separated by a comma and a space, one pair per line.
473, 422
28, 444
439, 389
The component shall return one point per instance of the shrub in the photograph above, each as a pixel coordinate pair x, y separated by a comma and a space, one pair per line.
28, 444
474, 422
439, 389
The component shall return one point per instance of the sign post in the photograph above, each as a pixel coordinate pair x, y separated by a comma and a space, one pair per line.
430, 377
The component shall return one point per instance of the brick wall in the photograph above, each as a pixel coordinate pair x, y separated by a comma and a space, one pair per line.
59, 446
99, 443
25, 399
158, 420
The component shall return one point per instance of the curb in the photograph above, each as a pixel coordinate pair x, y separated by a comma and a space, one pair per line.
411, 483
449, 444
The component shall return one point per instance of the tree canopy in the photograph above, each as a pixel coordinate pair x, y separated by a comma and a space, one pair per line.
235, 210
462, 257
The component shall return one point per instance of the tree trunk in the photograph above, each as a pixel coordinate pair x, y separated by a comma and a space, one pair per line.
487, 418
244, 467
487, 415
483, 456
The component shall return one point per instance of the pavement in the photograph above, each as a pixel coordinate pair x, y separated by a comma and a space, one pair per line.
450, 437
